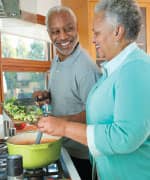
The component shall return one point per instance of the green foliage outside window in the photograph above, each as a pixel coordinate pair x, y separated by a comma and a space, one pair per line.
20, 84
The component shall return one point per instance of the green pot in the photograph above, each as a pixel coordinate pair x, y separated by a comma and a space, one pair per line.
35, 155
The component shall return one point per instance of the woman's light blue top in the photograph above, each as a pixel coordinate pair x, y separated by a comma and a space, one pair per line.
118, 118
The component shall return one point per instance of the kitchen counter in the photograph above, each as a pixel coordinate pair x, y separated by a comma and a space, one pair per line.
69, 165
27, 127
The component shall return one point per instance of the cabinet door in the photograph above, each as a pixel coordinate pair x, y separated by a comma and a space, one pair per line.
141, 40
91, 6
144, 36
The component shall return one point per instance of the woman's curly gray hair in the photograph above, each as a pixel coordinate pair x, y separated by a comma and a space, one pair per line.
124, 12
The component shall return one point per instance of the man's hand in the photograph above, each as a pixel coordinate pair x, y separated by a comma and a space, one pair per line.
42, 97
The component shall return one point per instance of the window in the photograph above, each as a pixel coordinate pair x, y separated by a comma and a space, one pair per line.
25, 64
23, 84
23, 48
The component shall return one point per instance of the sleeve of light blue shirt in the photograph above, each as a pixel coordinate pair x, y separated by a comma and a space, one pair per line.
131, 118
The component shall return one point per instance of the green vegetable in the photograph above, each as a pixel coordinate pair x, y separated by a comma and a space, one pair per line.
22, 113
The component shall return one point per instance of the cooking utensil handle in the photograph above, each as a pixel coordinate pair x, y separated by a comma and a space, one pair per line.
39, 133
38, 137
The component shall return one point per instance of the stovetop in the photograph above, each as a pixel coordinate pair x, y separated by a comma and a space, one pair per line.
51, 172
56, 171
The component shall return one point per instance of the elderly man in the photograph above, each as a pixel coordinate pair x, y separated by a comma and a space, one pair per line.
72, 76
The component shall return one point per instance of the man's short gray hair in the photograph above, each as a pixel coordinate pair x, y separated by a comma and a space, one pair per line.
124, 12
59, 9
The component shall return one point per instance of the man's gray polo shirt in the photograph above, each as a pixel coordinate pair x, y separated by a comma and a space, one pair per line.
70, 82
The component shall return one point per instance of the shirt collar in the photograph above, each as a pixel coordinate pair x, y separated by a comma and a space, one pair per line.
112, 65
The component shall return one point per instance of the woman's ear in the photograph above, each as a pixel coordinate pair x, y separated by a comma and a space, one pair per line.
119, 32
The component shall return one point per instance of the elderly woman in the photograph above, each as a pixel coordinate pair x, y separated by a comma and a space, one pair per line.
118, 107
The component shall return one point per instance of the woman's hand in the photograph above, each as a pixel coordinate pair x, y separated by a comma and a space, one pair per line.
52, 125
57, 126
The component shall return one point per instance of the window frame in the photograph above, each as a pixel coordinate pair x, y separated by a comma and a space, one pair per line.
22, 65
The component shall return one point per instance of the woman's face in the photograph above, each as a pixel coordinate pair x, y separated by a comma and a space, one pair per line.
63, 32
103, 37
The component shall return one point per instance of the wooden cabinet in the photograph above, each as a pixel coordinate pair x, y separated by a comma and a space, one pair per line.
80, 7
144, 35
84, 10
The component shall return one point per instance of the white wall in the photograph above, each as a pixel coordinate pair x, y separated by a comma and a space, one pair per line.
38, 6
27, 29
24, 28
29, 5
44, 5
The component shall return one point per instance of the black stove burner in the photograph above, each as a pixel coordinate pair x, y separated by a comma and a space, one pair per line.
53, 171
33, 174
35, 178
3, 155
3, 147
3, 160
